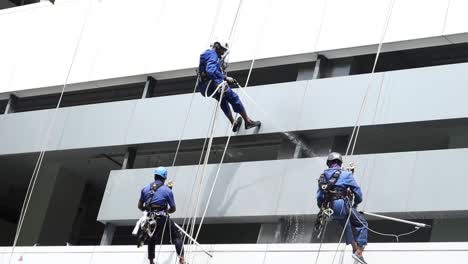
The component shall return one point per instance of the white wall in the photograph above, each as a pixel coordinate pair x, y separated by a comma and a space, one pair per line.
125, 38
388, 253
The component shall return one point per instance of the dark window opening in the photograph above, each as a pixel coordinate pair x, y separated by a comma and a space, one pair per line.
84, 97
174, 86
259, 76
268, 75
3, 105
409, 59
14, 3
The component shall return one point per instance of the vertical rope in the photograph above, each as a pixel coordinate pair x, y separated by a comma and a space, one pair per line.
356, 128
40, 159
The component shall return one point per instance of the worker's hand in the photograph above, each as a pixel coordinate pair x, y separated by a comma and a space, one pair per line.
170, 184
230, 80
224, 66
351, 167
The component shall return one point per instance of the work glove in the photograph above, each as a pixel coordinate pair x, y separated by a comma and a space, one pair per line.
170, 184
230, 80
351, 167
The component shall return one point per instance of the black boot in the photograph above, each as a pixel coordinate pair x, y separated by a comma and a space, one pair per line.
237, 124
253, 124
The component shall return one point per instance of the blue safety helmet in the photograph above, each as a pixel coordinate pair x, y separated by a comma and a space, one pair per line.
161, 171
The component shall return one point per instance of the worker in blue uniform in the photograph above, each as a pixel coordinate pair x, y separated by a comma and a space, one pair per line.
157, 199
212, 75
339, 191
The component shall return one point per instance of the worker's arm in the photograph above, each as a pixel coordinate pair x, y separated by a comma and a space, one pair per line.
140, 205
213, 70
141, 201
171, 202
320, 197
351, 183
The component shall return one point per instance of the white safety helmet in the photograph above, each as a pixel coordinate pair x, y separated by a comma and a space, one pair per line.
334, 156
221, 44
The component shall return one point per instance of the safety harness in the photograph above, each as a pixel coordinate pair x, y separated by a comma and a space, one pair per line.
147, 206
147, 226
330, 191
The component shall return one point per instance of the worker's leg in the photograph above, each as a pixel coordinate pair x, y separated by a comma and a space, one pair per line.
341, 215
224, 104
360, 225
151, 248
239, 108
156, 238
176, 239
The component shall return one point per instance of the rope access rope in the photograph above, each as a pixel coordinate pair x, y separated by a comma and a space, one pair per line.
207, 156
38, 165
185, 125
208, 149
230, 133
396, 236
218, 9
356, 128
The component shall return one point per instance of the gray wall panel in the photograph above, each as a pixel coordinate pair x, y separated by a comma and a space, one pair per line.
26, 132
440, 181
97, 125
335, 102
162, 119
278, 106
399, 183
297, 195
424, 94
389, 178
406, 96
200, 117
245, 189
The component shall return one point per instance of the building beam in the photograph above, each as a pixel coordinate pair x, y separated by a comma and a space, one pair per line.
10, 108
149, 87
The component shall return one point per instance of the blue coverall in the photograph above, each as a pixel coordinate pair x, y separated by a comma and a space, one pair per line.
341, 206
210, 64
162, 197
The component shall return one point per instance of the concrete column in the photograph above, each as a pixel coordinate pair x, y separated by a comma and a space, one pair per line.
108, 235
287, 149
293, 147
272, 232
305, 73
319, 64
62, 209
127, 163
39, 202
149, 87
129, 158
10, 108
